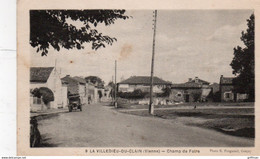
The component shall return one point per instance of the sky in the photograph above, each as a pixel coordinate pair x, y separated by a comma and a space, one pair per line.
188, 44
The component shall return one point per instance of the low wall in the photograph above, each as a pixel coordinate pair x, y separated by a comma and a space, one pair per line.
146, 101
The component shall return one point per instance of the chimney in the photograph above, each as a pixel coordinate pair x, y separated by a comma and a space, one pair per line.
221, 77
190, 79
196, 79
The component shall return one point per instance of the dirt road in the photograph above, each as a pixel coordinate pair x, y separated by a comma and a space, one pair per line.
102, 126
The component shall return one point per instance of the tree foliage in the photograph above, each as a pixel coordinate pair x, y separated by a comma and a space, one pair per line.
95, 80
111, 84
54, 28
45, 93
136, 94
196, 96
243, 63
166, 92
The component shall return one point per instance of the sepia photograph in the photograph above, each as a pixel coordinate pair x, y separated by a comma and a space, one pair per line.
142, 78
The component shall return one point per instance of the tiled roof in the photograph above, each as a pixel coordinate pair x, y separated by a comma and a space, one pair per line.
145, 80
70, 79
186, 85
201, 81
80, 80
226, 80
40, 74
76, 79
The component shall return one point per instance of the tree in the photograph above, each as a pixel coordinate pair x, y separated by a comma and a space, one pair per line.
136, 94
196, 96
95, 80
243, 63
216, 96
55, 28
166, 91
111, 84
45, 93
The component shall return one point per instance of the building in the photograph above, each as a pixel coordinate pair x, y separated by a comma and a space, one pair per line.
191, 91
142, 83
48, 77
108, 90
91, 95
228, 94
64, 92
76, 86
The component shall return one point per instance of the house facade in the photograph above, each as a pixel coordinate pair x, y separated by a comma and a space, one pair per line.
108, 92
91, 92
191, 91
142, 83
226, 87
48, 77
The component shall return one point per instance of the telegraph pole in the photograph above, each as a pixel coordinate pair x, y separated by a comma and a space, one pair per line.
115, 86
111, 90
151, 104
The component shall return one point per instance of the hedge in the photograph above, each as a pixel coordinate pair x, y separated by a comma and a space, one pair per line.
136, 94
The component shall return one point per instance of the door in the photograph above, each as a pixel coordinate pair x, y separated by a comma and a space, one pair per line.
187, 98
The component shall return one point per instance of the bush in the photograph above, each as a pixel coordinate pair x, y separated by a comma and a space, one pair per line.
196, 95
44, 92
166, 92
136, 94
216, 96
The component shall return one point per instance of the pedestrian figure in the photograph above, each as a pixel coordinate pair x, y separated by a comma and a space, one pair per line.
89, 99
195, 107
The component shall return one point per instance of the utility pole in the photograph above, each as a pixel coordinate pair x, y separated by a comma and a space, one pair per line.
115, 86
151, 104
111, 90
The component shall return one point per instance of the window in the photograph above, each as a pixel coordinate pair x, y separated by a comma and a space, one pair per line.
228, 95
178, 94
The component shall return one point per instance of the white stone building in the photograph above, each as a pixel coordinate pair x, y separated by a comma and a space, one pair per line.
49, 77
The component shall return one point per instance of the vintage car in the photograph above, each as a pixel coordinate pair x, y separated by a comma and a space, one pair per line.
74, 103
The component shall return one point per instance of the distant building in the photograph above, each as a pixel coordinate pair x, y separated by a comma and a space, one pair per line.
228, 94
91, 92
49, 77
142, 83
108, 92
193, 90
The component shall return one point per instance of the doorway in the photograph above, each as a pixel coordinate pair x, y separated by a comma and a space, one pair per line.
187, 98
